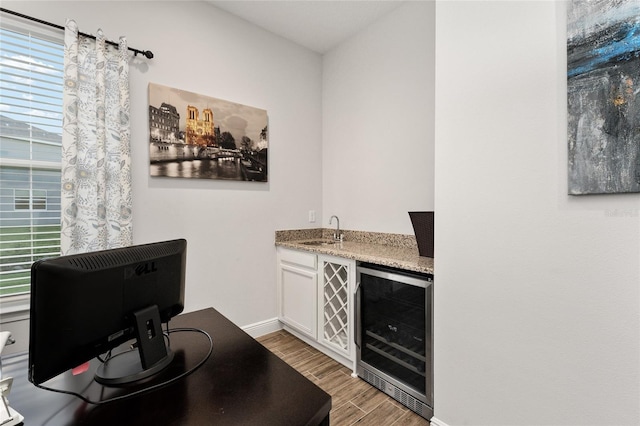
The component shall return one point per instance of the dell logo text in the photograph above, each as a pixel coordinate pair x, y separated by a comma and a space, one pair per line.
141, 269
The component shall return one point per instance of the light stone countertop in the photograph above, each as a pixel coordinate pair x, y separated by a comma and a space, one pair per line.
395, 250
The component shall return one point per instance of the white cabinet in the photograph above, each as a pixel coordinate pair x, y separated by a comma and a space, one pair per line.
297, 290
335, 303
315, 300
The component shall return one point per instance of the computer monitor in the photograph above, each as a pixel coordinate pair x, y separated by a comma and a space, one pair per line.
85, 305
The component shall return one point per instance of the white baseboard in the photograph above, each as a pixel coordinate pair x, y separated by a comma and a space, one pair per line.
436, 422
263, 327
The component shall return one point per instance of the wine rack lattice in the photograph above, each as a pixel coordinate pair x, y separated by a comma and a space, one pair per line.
336, 304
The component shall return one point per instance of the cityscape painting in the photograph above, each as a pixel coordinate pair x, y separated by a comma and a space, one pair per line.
603, 82
196, 136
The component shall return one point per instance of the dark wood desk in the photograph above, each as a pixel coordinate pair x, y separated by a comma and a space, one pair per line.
242, 383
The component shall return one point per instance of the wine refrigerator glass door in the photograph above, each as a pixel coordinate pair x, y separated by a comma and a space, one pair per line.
395, 331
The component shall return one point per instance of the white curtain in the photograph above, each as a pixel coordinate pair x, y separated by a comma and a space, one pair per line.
96, 161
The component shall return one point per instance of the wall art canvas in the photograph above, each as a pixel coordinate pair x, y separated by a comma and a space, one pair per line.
200, 137
603, 82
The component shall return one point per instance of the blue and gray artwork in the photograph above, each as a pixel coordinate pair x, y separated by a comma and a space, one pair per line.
603, 83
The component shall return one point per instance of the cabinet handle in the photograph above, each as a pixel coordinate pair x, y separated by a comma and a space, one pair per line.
356, 321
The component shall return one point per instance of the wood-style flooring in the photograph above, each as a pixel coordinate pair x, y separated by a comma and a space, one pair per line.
354, 401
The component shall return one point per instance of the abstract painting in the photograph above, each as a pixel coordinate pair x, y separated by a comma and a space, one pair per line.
200, 137
603, 82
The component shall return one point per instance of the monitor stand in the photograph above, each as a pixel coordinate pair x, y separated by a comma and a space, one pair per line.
151, 356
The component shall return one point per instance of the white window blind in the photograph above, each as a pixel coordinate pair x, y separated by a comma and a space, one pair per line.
31, 62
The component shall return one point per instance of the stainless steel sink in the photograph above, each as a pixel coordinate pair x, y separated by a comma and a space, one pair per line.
318, 243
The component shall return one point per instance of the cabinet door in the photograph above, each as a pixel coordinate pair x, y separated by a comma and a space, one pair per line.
335, 308
297, 288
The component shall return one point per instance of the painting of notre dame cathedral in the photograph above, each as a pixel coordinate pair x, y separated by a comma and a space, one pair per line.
200, 137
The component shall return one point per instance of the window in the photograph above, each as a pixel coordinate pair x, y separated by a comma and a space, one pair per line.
31, 61
30, 200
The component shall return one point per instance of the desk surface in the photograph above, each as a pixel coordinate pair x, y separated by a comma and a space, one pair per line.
242, 383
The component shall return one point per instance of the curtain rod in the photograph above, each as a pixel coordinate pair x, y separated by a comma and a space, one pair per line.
146, 53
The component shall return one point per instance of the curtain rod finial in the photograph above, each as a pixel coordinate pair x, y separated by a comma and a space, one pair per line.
147, 53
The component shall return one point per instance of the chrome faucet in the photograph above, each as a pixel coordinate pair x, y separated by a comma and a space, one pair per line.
337, 236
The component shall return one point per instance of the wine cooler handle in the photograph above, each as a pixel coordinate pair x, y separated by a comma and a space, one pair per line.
357, 335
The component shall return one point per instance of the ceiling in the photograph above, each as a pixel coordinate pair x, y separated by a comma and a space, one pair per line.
319, 25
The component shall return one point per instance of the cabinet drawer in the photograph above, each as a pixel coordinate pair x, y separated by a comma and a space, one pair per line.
300, 258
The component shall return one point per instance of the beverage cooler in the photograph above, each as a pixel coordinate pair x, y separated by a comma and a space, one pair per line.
394, 334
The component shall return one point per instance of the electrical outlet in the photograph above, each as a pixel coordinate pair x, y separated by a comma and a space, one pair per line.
312, 216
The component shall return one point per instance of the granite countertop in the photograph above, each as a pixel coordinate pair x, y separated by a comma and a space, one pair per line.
395, 250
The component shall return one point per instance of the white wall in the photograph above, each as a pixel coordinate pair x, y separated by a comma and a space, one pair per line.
378, 115
537, 317
229, 225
